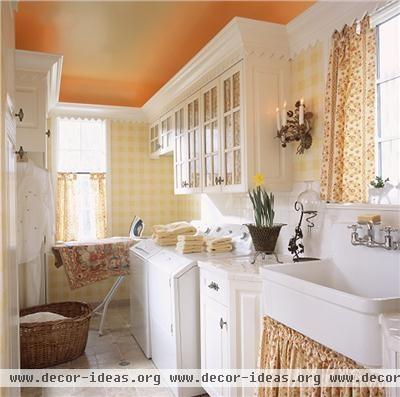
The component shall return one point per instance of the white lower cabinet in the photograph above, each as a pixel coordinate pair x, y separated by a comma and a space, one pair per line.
214, 333
231, 320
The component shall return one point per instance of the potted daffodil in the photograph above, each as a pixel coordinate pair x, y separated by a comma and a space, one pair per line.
264, 232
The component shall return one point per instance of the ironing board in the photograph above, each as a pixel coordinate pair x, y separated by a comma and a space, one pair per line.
95, 260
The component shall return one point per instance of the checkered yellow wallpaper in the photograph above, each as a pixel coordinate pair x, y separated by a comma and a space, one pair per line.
140, 186
308, 83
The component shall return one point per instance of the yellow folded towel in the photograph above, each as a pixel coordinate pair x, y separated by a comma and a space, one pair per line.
191, 238
197, 247
165, 241
166, 235
170, 226
221, 248
189, 250
176, 232
218, 240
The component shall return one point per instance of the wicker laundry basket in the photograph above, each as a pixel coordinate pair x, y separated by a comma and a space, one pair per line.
49, 343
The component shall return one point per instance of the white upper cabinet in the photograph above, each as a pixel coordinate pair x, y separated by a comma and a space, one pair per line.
37, 87
229, 92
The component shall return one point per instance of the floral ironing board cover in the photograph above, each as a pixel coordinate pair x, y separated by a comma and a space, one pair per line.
88, 262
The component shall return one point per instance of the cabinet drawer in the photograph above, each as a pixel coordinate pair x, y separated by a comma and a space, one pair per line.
214, 286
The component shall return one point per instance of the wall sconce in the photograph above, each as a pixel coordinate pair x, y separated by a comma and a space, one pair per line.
295, 126
308, 203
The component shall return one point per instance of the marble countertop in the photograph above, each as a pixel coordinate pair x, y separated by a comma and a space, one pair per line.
242, 267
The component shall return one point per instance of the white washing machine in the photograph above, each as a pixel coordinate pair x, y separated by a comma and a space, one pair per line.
139, 255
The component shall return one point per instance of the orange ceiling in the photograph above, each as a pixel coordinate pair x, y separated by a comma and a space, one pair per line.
121, 53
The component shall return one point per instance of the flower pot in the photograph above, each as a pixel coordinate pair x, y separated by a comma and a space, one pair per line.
265, 237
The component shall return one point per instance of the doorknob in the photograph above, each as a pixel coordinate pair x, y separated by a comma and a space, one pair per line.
20, 114
222, 323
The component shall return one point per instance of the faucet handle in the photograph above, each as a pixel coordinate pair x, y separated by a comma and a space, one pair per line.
389, 229
354, 227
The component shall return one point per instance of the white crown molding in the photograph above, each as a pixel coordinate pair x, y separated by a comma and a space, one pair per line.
240, 38
322, 19
125, 113
49, 65
386, 12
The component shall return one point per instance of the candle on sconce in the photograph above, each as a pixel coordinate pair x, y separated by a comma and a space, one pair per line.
284, 114
278, 120
301, 111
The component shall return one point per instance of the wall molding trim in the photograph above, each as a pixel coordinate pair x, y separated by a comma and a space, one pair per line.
386, 12
319, 22
123, 113
235, 41
50, 65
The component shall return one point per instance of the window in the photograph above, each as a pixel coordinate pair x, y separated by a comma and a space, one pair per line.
388, 99
81, 151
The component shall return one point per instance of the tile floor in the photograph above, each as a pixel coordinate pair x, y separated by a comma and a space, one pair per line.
115, 346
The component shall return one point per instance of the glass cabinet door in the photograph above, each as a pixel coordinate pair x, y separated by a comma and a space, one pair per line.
193, 143
232, 128
167, 134
180, 152
211, 138
154, 138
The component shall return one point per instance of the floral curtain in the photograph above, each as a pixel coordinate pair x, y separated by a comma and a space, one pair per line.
66, 213
348, 163
285, 348
98, 183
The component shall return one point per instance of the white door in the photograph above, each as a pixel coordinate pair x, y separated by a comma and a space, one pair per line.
9, 312
214, 340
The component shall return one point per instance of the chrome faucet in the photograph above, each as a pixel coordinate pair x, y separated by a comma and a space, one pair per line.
369, 241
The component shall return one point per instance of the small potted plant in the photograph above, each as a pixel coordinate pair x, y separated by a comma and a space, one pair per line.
379, 190
264, 232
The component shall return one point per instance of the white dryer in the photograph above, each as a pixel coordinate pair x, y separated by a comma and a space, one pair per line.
139, 255
174, 303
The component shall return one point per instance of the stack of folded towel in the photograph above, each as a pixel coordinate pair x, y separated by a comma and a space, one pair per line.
219, 244
190, 244
168, 234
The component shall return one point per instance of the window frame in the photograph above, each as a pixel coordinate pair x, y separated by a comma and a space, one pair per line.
381, 20
54, 160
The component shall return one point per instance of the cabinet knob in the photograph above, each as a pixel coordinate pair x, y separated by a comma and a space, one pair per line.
48, 133
20, 114
216, 180
222, 323
158, 146
213, 285
220, 180
185, 184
